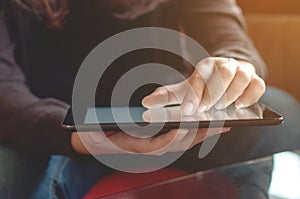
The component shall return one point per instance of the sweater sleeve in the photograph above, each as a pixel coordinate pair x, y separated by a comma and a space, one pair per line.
27, 122
219, 26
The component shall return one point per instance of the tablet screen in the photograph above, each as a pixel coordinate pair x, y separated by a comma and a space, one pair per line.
109, 115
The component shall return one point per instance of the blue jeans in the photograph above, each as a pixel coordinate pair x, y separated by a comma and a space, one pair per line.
59, 180
72, 177
19, 173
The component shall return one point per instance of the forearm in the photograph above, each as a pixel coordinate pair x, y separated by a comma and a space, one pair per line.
26, 121
30, 124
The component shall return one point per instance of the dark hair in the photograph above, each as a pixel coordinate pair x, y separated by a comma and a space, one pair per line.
52, 12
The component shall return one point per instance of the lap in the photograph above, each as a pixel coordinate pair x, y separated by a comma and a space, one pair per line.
68, 177
73, 177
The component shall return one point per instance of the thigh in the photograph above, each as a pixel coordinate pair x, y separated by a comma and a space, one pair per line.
19, 173
246, 143
70, 177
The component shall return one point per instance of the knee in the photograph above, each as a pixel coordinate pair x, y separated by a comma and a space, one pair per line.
289, 107
281, 101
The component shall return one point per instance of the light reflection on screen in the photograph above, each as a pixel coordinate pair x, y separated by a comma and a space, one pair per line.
108, 115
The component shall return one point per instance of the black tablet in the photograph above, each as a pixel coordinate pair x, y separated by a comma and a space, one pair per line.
171, 117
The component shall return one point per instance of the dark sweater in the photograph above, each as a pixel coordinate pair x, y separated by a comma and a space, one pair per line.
38, 65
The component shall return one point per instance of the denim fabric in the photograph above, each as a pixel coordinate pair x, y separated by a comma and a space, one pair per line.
19, 173
69, 177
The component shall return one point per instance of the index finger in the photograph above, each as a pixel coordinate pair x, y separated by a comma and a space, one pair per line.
165, 95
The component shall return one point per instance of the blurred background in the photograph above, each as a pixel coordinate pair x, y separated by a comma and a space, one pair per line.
274, 27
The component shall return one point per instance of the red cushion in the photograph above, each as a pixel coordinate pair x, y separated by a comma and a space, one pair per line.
123, 181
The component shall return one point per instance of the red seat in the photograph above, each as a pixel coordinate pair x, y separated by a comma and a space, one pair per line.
123, 181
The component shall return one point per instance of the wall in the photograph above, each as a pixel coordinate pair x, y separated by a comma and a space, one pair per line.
275, 31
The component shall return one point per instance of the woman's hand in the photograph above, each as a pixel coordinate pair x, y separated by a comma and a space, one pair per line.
118, 142
215, 82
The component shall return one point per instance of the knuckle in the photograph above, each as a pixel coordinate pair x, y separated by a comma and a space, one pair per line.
225, 70
197, 75
243, 76
206, 61
190, 95
207, 97
259, 85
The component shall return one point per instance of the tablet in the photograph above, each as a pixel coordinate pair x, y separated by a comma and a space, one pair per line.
166, 118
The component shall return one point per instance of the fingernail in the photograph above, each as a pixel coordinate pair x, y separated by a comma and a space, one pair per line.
188, 119
147, 116
239, 105
219, 106
156, 106
202, 108
188, 108
97, 137
153, 106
